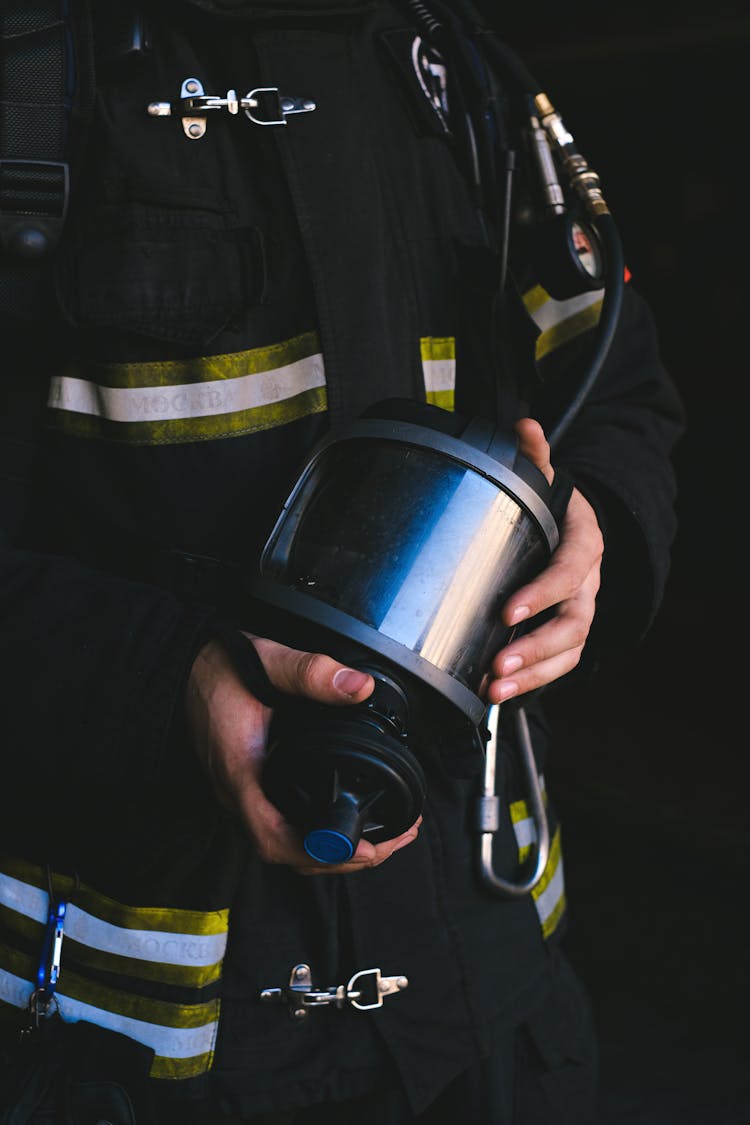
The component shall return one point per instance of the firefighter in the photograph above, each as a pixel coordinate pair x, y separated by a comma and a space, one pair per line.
275, 221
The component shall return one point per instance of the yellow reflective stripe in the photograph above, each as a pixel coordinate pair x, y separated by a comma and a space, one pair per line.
534, 298
437, 347
199, 399
438, 354
520, 816
181, 1068
201, 369
518, 811
552, 920
444, 399
575, 326
561, 321
549, 893
182, 1036
170, 947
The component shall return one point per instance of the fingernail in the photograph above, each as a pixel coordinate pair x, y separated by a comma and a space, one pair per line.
512, 664
349, 680
521, 612
507, 689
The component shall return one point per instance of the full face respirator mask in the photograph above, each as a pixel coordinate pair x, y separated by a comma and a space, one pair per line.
407, 530
394, 552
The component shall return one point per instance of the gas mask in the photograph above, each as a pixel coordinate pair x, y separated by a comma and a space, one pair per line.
394, 553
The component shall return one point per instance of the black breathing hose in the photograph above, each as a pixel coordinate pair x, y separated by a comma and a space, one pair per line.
435, 18
614, 285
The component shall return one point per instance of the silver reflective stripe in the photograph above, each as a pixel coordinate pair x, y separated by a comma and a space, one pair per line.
548, 901
439, 374
24, 898
525, 831
523, 824
167, 1042
552, 312
561, 321
160, 946
187, 400
549, 894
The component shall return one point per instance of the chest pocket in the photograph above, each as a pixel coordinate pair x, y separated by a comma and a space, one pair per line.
168, 265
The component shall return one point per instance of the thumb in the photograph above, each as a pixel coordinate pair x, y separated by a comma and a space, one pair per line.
312, 674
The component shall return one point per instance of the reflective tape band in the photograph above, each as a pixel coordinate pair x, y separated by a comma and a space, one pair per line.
523, 823
171, 946
549, 893
438, 355
526, 834
182, 1037
192, 400
182, 401
561, 321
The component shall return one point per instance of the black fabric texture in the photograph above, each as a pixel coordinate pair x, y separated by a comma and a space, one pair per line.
68, 1073
115, 678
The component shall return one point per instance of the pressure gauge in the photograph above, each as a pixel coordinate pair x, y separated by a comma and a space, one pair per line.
567, 254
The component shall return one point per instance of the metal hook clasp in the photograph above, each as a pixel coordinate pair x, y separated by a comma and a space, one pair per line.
488, 809
364, 991
195, 104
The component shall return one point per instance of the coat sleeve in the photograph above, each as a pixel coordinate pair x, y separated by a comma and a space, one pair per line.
93, 673
618, 449
93, 665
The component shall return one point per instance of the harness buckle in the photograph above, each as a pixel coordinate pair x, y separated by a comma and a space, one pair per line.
34, 196
364, 991
264, 105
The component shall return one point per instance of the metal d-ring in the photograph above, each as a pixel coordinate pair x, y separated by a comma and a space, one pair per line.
488, 808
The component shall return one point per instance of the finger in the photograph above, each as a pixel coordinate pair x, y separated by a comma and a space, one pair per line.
568, 629
529, 679
312, 674
575, 563
562, 581
533, 444
279, 842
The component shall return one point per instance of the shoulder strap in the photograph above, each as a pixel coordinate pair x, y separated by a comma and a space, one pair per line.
46, 95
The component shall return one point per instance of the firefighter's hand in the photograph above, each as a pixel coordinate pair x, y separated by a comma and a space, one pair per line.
569, 583
230, 728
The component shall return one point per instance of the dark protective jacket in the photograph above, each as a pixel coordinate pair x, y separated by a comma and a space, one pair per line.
219, 303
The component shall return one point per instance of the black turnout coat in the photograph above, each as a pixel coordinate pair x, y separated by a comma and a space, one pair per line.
218, 304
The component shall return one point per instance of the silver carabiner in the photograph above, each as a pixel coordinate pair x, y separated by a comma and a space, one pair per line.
488, 808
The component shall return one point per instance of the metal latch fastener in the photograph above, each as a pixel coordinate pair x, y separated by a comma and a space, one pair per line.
364, 991
263, 106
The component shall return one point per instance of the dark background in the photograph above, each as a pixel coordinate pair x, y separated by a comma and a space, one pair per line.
651, 768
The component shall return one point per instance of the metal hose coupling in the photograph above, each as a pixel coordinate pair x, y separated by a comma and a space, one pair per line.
583, 179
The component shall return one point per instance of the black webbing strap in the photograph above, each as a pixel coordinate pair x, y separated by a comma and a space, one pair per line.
46, 96
46, 92
37, 85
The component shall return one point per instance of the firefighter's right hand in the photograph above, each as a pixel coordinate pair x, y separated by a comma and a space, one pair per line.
229, 727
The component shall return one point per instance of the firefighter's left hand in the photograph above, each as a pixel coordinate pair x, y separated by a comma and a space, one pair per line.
570, 583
